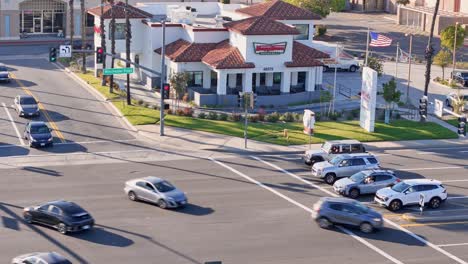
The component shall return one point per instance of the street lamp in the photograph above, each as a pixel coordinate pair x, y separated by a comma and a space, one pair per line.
454, 62
163, 74
409, 66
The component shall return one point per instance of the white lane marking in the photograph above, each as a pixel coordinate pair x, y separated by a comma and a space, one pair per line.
435, 168
376, 249
453, 245
13, 124
427, 153
422, 240
85, 153
95, 142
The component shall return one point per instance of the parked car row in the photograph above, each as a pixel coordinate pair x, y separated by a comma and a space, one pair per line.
356, 174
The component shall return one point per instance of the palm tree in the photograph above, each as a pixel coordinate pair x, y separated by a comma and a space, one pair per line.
103, 41
430, 52
112, 35
128, 37
72, 20
83, 33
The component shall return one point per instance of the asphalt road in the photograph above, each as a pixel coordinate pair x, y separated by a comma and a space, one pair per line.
242, 210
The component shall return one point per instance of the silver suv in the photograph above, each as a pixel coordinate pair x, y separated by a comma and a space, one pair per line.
332, 148
344, 165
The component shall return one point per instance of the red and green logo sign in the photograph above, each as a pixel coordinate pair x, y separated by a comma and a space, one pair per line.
269, 48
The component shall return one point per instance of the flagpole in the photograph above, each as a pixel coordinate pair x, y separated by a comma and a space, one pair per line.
409, 68
396, 60
367, 44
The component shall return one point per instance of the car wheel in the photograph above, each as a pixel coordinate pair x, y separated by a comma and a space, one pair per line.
354, 193
324, 223
330, 178
28, 218
435, 202
30, 144
366, 228
62, 228
395, 205
132, 196
353, 68
162, 204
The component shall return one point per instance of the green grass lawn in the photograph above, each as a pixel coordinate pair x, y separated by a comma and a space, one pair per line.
273, 132
453, 122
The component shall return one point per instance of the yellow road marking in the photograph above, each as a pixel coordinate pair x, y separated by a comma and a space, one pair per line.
43, 110
434, 224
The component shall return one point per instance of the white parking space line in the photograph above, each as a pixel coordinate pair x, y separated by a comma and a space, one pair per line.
453, 245
434, 168
307, 209
420, 239
13, 124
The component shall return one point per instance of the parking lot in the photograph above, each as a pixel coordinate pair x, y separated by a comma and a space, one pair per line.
251, 209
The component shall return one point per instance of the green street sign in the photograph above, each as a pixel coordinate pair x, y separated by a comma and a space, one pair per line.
118, 71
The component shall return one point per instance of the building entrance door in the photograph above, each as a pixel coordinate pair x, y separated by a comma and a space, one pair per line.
37, 25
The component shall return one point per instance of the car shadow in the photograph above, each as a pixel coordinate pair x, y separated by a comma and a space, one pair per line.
393, 236
101, 236
14, 150
190, 209
39, 170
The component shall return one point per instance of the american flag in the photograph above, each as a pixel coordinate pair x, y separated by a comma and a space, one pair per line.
379, 40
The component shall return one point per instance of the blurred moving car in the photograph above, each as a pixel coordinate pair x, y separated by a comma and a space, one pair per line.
4, 74
26, 105
41, 258
38, 134
365, 182
330, 210
77, 44
62, 215
344, 165
453, 99
155, 190
409, 192
332, 148
460, 77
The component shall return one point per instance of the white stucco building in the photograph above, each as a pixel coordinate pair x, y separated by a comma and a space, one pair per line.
264, 49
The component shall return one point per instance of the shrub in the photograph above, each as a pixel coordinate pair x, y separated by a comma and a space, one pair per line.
202, 115
223, 117
253, 118
212, 116
334, 116
318, 116
140, 102
185, 97
355, 113
297, 117
147, 105
169, 111
179, 112
272, 118
188, 111
235, 117
321, 30
287, 117
155, 107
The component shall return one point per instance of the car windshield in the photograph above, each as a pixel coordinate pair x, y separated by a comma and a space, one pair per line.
39, 130
326, 146
336, 160
399, 187
358, 177
360, 206
27, 101
3, 69
164, 186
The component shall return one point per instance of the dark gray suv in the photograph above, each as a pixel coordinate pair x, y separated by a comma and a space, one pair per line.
332, 148
330, 210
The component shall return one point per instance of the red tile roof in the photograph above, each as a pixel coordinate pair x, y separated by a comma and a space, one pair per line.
184, 51
225, 56
260, 26
119, 11
305, 56
279, 10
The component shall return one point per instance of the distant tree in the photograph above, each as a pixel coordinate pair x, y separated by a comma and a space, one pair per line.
338, 5
390, 92
178, 82
375, 64
320, 7
447, 37
403, 2
443, 59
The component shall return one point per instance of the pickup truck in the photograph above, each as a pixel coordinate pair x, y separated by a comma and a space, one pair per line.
346, 64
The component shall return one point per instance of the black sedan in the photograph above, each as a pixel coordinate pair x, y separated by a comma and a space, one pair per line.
62, 215
38, 134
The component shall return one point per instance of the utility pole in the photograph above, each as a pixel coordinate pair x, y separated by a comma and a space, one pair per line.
112, 34
410, 59
334, 79
367, 44
83, 34
103, 43
430, 53
128, 37
163, 75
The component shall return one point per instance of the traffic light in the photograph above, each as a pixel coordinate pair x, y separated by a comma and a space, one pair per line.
53, 54
462, 125
253, 100
99, 55
240, 100
423, 107
166, 90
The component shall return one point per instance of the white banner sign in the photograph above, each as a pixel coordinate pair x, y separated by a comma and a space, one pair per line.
438, 108
368, 99
309, 121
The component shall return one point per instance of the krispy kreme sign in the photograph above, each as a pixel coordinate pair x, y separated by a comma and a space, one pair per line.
269, 48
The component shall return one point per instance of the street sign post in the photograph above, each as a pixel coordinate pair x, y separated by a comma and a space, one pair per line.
112, 71
421, 202
65, 51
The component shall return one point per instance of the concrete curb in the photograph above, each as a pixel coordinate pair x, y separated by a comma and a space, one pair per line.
437, 216
109, 105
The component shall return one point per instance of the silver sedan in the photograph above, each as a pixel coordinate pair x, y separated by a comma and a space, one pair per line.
155, 190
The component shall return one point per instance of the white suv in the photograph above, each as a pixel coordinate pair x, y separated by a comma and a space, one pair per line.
408, 193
